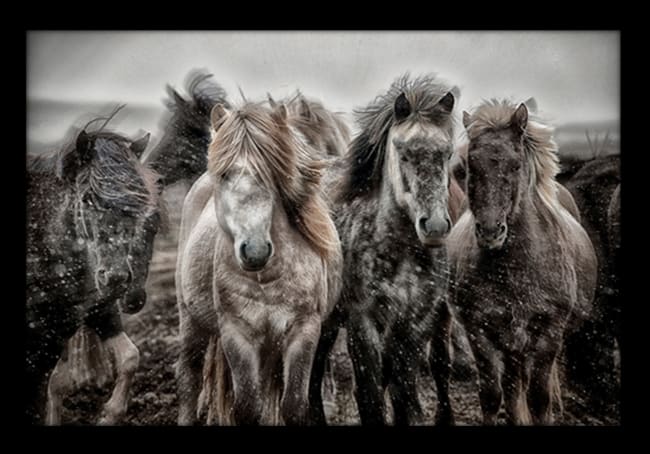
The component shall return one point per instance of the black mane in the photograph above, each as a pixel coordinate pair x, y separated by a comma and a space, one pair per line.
113, 177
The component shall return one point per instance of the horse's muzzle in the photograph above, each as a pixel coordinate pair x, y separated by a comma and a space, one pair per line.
133, 301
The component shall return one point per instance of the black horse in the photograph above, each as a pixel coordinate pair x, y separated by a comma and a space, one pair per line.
181, 153
591, 350
90, 208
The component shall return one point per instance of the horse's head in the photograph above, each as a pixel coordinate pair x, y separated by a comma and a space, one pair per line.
262, 166
244, 203
114, 197
496, 174
140, 253
245, 211
419, 147
181, 151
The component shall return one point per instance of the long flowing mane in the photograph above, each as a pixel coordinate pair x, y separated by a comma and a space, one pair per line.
540, 148
365, 158
283, 162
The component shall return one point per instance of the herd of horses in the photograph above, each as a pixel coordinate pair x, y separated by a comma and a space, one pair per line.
294, 230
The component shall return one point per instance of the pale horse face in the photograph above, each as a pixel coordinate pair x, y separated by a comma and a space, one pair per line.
244, 209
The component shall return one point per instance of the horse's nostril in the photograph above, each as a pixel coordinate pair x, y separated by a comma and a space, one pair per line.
269, 247
502, 229
242, 249
423, 224
448, 224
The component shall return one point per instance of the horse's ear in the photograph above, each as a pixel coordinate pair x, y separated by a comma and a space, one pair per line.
74, 161
280, 113
466, 119
447, 102
138, 146
519, 119
178, 99
402, 107
531, 104
272, 102
218, 115
304, 109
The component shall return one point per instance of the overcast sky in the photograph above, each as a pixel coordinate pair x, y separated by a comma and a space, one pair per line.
573, 75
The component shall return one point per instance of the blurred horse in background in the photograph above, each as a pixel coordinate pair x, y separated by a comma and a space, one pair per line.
182, 152
591, 351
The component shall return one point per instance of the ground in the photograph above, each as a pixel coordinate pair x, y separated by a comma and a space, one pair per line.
155, 329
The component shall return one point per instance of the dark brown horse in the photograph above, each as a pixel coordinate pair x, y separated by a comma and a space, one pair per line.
522, 266
182, 152
89, 205
592, 349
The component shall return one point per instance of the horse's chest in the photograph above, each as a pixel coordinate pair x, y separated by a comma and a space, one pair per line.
394, 289
268, 307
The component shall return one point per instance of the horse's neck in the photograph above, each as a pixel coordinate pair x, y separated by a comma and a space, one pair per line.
528, 226
392, 222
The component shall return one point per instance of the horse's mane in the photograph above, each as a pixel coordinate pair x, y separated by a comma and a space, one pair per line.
113, 177
540, 148
365, 157
323, 122
203, 93
280, 157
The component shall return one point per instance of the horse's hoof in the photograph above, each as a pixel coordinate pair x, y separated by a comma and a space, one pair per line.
445, 420
106, 419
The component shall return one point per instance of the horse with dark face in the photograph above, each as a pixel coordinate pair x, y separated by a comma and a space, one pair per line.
392, 214
89, 207
182, 153
258, 268
523, 267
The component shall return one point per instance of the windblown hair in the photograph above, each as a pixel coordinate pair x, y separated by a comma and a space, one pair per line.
539, 146
281, 159
321, 124
204, 94
112, 177
186, 128
365, 158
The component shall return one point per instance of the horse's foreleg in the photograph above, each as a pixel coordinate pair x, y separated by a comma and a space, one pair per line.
194, 343
244, 361
326, 341
56, 387
490, 393
539, 391
513, 389
440, 362
127, 359
298, 358
403, 385
364, 346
